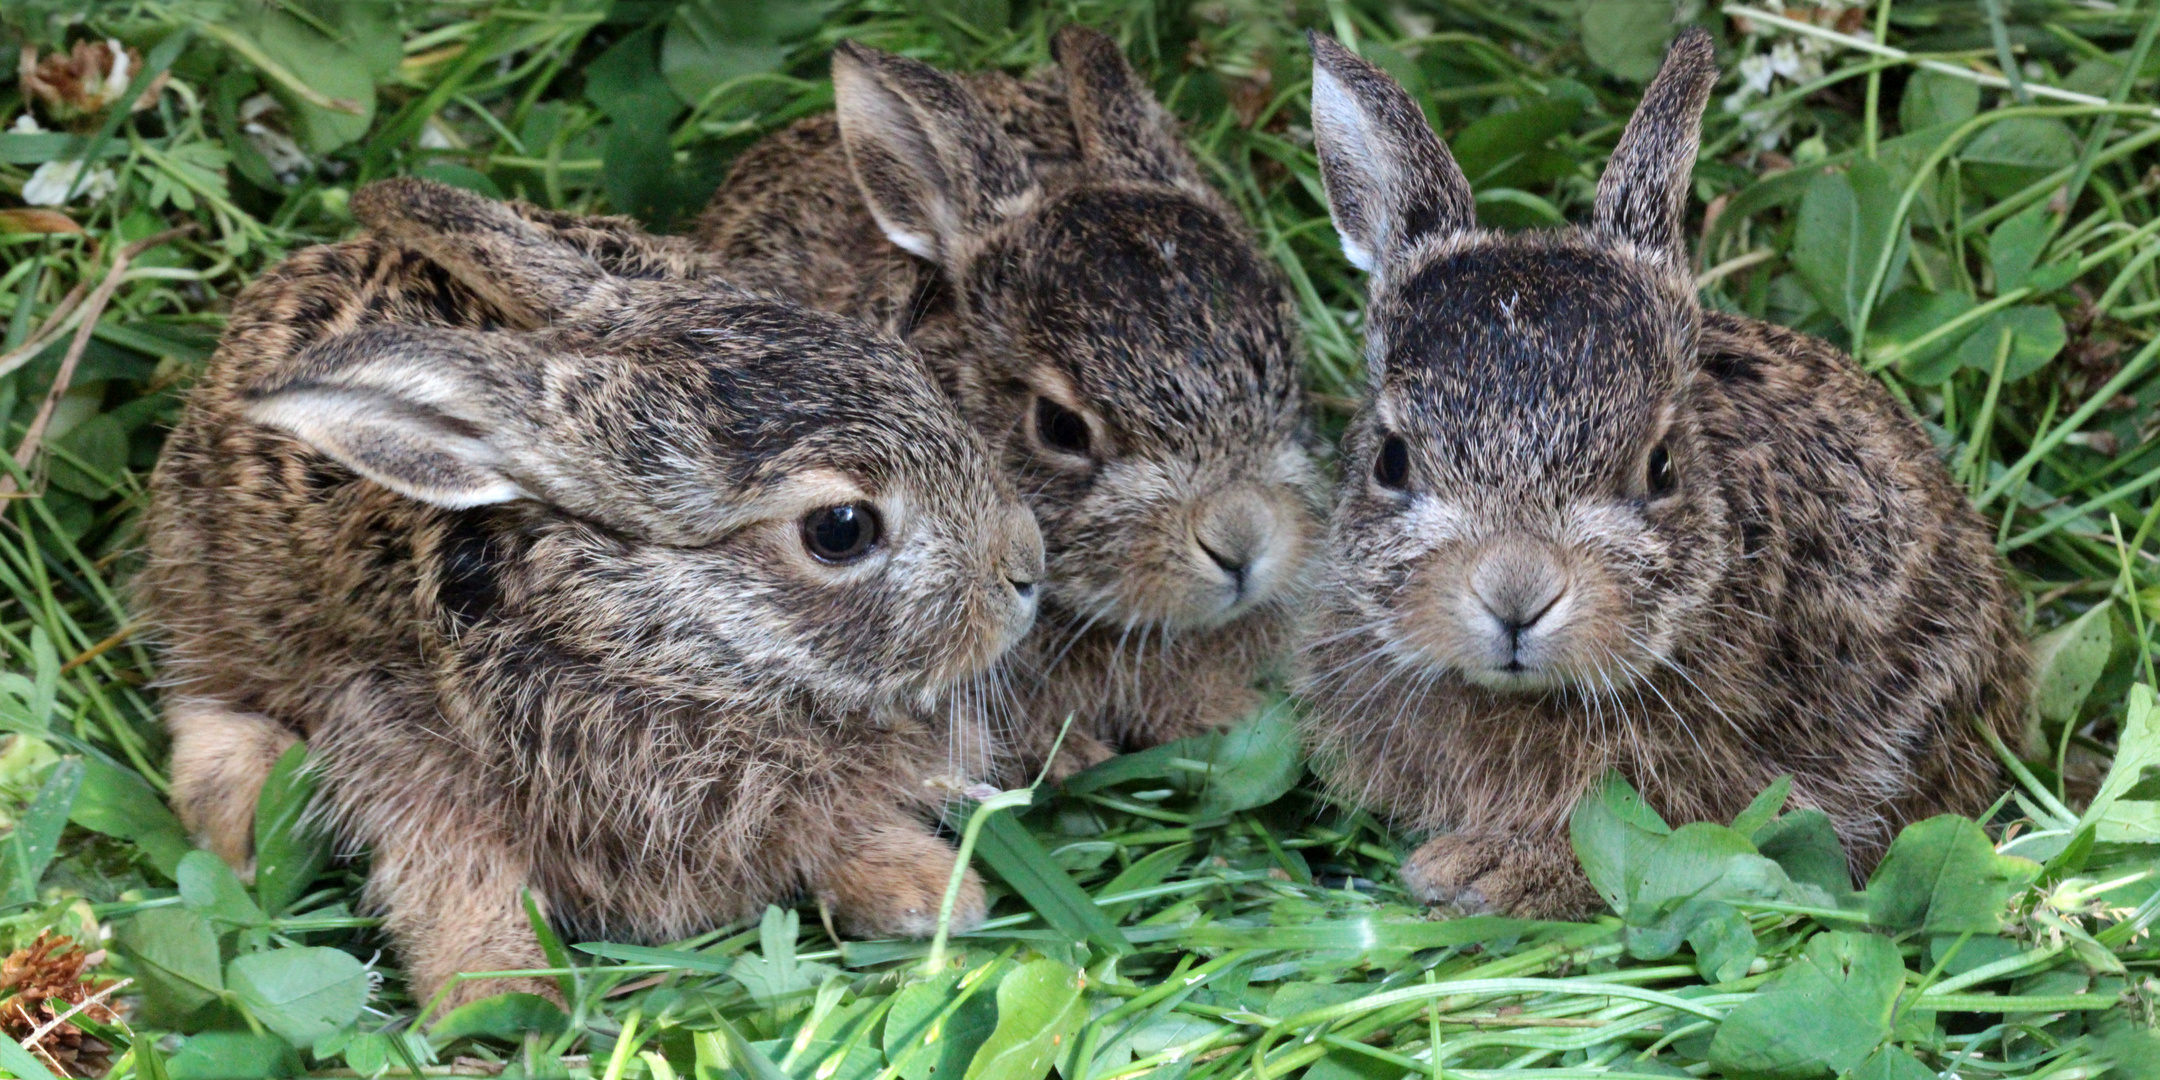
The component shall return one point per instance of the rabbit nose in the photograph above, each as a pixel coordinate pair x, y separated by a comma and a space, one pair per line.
1021, 563
1235, 529
1518, 584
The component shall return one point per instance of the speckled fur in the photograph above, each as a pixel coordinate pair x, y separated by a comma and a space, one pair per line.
1810, 596
629, 689
1066, 246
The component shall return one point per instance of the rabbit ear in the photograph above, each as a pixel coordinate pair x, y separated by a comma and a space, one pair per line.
1121, 126
415, 410
1644, 191
1390, 181
517, 266
931, 161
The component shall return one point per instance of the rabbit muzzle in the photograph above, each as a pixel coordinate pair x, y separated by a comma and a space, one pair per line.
1519, 614
1248, 545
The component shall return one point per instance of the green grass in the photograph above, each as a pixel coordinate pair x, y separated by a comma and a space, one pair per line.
1994, 237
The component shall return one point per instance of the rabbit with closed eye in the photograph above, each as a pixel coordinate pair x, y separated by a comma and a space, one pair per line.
1103, 319
579, 572
1586, 525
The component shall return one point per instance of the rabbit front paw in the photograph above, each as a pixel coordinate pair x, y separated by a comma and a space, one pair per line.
892, 884
1482, 872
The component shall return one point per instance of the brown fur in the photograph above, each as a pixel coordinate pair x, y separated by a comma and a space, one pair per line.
1051, 240
498, 509
1530, 599
220, 760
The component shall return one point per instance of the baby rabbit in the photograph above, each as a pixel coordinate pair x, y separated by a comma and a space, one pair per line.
1586, 524
624, 587
1107, 325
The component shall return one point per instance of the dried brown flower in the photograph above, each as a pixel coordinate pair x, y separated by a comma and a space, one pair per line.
78, 86
44, 981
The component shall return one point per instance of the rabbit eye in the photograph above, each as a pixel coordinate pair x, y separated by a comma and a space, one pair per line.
1392, 465
1060, 428
1658, 472
841, 534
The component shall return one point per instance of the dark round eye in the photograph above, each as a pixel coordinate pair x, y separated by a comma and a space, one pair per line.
841, 534
1392, 465
1657, 472
1060, 428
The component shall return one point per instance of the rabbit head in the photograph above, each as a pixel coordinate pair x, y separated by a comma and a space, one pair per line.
735, 485
1523, 505
1124, 342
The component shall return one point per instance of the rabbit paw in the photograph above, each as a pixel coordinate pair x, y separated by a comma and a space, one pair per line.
891, 885
1475, 873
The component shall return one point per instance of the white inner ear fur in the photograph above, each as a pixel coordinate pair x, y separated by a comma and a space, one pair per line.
394, 443
1347, 127
870, 112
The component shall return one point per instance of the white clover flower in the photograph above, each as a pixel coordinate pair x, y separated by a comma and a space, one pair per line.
49, 185
26, 124
1756, 73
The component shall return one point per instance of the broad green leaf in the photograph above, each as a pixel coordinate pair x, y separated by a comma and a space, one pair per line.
710, 42
1013, 853
290, 848
30, 848
1805, 843
2036, 335
925, 1047
2015, 245
1821, 1016
1149, 870
1942, 876
1909, 313
1493, 149
210, 889
625, 80
92, 457
1253, 763
1724, 944
1933, 98
301, 993
2117, 816
233, 1055
326, 65
1614, 832
2068, 660
774, 977
1764, 807
2015, 151
1892, 1063
1040, 1007
1843, 231
176, 959
120, 803
506, 1017
1627, 37
1689, 877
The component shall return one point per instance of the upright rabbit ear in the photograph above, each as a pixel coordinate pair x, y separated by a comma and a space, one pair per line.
931, 161
1643, 194
424, 412
531, 276
1121, 126
1390, 181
